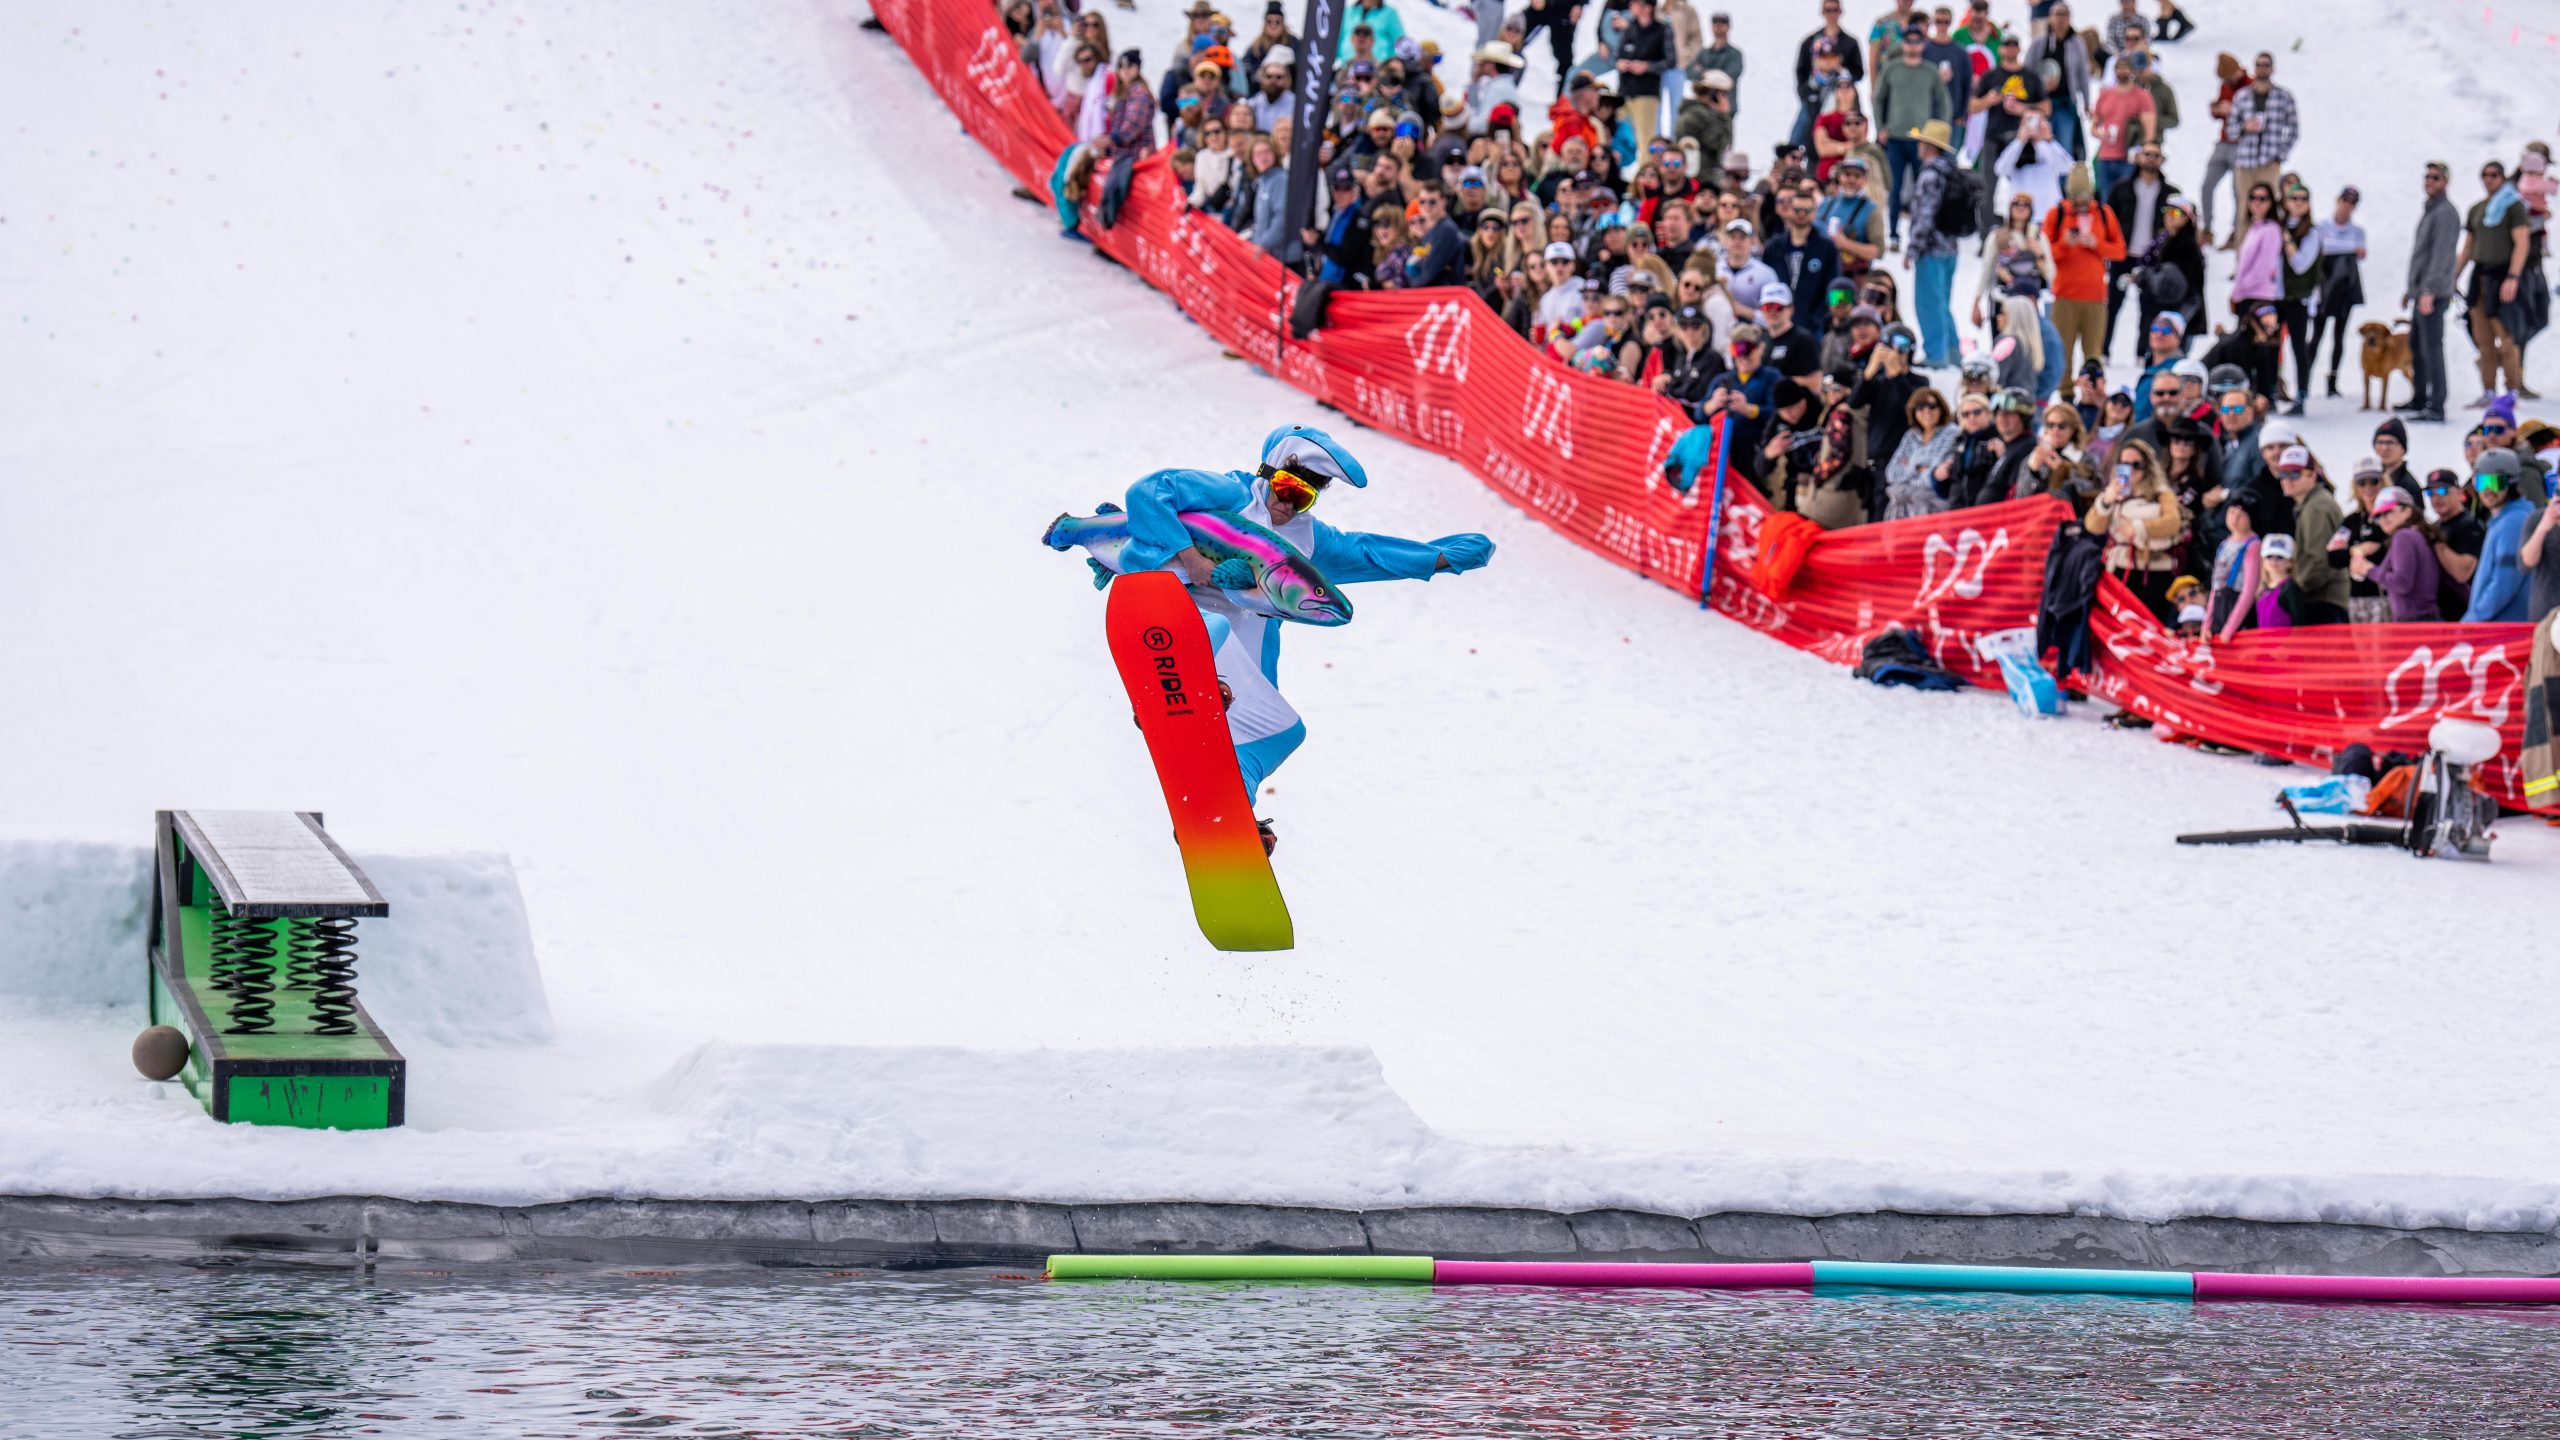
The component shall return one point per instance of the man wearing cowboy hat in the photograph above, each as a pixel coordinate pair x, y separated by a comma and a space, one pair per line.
1497, 79
1931, 253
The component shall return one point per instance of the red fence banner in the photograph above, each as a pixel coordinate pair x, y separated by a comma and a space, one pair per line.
1584, 454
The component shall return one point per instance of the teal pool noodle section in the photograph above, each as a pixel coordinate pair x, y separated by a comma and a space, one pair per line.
1414, 1268
2018, 1279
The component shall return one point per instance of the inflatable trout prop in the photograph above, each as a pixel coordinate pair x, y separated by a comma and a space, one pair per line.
1285, 584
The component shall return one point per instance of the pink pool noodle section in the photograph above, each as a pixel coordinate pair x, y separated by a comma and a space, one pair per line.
2417, 1289
1590, 1273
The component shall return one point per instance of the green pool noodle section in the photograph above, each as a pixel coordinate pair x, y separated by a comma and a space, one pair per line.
1413, 1268
2014, 1279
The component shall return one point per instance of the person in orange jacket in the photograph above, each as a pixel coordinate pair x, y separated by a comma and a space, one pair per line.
2083, 236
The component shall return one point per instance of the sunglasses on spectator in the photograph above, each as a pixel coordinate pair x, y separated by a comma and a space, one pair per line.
2496, 427
1614, 312
1968, 412
1929, 407
2364, 480
1745, 347
1561, 264
2165, 329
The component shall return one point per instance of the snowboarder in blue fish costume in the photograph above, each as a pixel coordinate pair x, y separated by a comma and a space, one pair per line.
1299, 465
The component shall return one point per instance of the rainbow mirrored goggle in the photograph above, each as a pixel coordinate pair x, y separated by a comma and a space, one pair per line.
1300, 491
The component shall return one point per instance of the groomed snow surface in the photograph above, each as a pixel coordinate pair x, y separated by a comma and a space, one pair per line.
616, 439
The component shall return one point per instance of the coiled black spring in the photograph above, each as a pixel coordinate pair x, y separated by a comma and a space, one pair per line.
243, 967
328, 947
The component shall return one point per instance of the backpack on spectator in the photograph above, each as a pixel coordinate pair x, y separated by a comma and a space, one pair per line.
1960, 205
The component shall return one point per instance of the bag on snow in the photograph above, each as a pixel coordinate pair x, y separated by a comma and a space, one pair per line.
1894, 658
1960, 206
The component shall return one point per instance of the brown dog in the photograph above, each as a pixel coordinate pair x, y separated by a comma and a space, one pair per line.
2386, 348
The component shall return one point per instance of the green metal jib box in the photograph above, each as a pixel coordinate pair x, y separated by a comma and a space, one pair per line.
253, 919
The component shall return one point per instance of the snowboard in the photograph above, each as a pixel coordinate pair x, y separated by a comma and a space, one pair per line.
1162, 650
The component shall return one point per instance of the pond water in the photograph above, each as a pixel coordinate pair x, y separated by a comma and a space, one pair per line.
181, 1352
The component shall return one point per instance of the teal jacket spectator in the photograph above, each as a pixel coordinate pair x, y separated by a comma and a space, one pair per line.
2498, 586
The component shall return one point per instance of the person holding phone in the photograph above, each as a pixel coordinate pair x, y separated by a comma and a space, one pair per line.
2137, 514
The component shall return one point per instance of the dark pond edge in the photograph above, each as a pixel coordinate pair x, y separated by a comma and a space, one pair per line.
926, 1234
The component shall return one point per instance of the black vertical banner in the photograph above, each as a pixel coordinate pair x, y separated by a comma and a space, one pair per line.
1318, 40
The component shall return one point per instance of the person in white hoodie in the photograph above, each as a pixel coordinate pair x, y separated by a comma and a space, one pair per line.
2035, 165
1562, 301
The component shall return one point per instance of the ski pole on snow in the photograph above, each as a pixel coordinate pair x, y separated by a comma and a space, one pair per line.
1715, 512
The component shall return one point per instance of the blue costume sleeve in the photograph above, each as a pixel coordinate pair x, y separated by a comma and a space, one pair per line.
1688, 456
1155, 508
1350, 556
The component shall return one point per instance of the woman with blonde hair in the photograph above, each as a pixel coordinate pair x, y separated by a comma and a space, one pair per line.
1642, 256
2017, 352
2138, 515
2059, 465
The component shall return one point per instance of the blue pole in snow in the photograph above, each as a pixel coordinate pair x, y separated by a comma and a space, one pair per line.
1715, 511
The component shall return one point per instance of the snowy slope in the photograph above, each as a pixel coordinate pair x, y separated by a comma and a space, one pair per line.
617, 438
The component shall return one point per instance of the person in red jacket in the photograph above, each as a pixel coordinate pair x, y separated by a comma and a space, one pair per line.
2084, 236
1570, 117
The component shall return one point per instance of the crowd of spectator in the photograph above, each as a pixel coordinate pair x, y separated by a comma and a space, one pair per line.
1622, 227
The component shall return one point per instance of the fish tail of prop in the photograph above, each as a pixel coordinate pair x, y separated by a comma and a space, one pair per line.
1056, 536
1103, 575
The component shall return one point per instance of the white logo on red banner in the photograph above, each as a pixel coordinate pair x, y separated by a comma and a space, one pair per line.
1546, 412
1969, 564
2488, 694
993, 66
1438, 341
1187, 234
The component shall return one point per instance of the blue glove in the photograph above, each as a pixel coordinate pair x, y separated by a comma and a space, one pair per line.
1234, 573
1464, 552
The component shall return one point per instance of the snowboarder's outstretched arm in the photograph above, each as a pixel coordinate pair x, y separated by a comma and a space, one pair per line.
1156, 503
1350, 556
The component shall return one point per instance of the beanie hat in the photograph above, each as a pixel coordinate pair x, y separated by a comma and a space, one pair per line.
2393, 428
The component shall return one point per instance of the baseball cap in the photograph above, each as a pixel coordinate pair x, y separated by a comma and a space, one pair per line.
2190, 370
1690, 315
2277, 432
2294, 458
1471, 175
1559, 250
2498, 464
1739, 226
1717, 80
1867, 314
2368, 468
2277, 547
2391, 498
1776, 293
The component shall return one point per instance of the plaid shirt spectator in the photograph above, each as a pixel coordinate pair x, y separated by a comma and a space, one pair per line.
2271, 142
1133, 122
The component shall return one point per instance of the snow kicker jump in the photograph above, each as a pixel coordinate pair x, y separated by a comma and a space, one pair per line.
1244, 544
